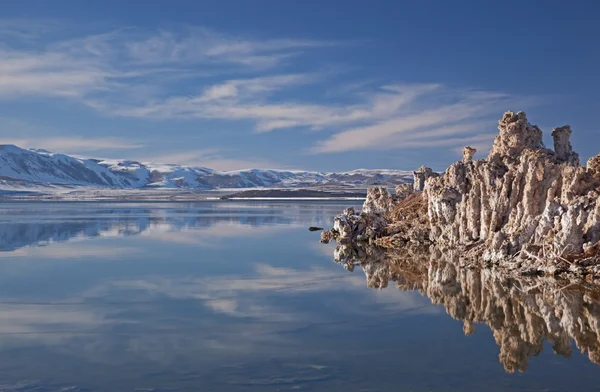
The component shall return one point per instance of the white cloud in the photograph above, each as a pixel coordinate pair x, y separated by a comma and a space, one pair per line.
245, 100
393, 117
73, 144
435, 120
212, 158
113, 62
195, 45
115, 72
27, 30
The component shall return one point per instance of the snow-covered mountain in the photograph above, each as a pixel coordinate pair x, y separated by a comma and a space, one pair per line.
20, 168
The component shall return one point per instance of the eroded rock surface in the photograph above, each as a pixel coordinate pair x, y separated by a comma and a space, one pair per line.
524, 207
562, 145
370, 223
402, 191
420, 177
523, 202
468, 153
378, 200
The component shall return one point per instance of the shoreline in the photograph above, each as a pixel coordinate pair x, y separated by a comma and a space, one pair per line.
116, 195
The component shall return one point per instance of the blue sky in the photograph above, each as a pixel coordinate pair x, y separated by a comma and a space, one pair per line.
319, 85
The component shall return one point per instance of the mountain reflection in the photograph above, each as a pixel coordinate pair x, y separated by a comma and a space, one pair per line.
21, 226
522, 313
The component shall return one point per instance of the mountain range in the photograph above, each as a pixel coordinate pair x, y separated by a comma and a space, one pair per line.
38, 169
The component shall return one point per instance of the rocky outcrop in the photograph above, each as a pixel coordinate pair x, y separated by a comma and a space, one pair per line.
562, 145
402, 191
524, 207
378, 201
523, 202
421, 176
370, 223
593, 164
516, 135
468, 153
523, 313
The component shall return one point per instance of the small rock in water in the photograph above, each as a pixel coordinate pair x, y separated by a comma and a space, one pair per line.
313, 228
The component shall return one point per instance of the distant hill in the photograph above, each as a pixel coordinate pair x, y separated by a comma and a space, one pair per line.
40, 169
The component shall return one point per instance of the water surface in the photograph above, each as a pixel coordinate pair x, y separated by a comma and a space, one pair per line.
240, 296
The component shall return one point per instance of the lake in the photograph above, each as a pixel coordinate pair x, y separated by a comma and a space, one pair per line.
240, 296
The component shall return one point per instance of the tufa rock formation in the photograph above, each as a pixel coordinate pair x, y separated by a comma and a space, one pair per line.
523, 202
562, 145
524, 207
420, 176
369, 223
403, 191
468, 153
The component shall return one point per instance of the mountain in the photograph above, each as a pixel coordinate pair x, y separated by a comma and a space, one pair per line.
20, 168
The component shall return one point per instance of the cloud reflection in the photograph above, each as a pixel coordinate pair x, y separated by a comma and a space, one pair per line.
25, 225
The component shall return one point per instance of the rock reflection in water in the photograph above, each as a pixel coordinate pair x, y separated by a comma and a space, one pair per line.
522, 312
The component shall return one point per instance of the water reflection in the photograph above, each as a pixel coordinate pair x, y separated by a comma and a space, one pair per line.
27, 224
242, 297
523, 313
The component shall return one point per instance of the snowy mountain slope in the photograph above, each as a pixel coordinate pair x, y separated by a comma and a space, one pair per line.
43, 167
20, 168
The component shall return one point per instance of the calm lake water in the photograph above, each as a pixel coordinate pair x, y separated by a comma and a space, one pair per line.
240, 296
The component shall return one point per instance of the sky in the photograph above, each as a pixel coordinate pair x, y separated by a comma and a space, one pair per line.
315, 85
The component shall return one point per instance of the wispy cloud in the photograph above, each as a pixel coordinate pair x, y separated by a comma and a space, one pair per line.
196, 44
246, 100
114, 61
213, 158
392, 117
435, 118
73, 144
27, 29
231, 78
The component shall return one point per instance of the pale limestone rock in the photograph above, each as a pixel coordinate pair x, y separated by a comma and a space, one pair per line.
594, 163
562, 145
516, 135
468, 153
378, 200
369, 224
402, 191
421, 176
326, 236
524, 205
522, 198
